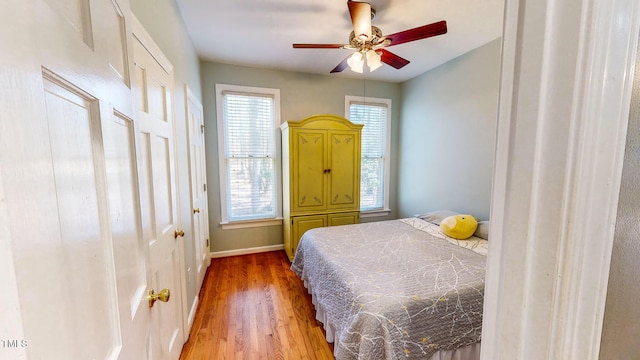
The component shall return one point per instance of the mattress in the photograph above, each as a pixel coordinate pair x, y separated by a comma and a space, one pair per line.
395, 289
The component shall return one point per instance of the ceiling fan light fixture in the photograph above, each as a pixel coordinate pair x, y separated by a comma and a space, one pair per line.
374, 60
356, 62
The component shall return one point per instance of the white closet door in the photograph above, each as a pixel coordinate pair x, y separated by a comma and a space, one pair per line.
158, 184
69, 205
198, 176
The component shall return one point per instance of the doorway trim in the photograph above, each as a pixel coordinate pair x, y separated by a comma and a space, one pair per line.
566, 81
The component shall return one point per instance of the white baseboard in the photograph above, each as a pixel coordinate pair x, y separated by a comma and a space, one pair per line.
254, 250
192, 312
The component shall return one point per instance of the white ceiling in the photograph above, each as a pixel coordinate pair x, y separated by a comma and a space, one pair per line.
260, 33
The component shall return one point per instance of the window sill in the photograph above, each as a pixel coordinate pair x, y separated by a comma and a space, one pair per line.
250, 223
375, 213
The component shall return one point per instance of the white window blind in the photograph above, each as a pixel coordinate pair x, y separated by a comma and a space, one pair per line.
375, 117
249, 156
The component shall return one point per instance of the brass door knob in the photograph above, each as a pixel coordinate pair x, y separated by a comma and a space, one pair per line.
196, 211
178, 233
163, 296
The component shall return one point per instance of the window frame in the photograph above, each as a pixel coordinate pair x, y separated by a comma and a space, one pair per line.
349, 99
222, 174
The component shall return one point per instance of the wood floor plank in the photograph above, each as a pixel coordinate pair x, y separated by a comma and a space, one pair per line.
255, 307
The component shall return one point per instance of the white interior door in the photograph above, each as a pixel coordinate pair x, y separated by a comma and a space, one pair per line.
198, 176
69, 192
159, 200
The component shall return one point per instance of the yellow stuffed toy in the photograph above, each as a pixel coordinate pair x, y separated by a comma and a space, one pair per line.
459, 226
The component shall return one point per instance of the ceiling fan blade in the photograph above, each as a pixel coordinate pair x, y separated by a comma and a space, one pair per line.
318, 46
421, 32
343, 65
392, 59
360, 17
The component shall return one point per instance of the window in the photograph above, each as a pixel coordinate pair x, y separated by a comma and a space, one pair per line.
374, 113
248, 119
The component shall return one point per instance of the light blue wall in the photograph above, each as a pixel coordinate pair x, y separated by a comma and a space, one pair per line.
447, 135
163, 21
301, 95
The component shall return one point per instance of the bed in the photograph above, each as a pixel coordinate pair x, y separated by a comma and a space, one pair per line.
397, 289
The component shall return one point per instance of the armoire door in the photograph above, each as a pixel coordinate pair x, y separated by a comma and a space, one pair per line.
343, 218
69, 209
344, 165
303, 223
309, 170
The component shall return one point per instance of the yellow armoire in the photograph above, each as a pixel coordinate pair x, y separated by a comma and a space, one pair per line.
321, 175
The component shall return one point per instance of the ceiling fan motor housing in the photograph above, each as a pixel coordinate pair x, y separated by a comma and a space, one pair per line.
376, 37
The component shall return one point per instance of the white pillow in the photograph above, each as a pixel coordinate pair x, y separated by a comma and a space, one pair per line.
483, 230
435, 217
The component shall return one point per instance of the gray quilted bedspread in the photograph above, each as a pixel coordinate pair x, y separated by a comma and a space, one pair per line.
386, 290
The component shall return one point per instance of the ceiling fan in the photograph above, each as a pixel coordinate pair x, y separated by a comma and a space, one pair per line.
370, 43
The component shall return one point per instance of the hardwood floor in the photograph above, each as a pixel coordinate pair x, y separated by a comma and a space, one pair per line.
255, 307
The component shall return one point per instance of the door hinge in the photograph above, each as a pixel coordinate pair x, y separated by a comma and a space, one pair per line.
202, 129
291, 221
205, 187
207, 242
